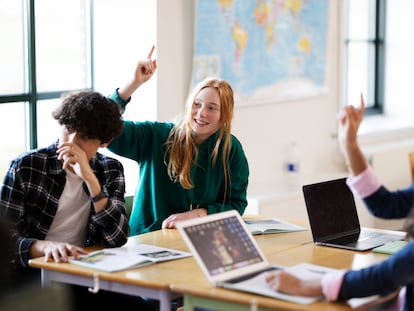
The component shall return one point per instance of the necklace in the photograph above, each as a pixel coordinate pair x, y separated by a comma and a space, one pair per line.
194, 207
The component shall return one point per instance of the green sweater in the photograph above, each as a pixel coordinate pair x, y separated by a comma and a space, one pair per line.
157, 197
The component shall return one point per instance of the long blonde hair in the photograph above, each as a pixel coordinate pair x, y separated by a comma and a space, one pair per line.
182, 149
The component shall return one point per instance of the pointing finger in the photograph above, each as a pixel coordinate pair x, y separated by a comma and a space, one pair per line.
150, 53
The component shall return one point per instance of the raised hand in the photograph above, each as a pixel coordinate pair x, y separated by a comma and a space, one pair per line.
146, 68
143, 72
350, 119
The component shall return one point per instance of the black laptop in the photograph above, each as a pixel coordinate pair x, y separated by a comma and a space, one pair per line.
334, 219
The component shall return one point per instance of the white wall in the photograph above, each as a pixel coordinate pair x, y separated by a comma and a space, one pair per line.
264, 130
174, 53
399, 65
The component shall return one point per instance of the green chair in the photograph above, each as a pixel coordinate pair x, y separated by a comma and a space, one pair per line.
128, 204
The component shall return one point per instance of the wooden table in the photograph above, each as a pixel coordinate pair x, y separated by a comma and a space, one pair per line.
200, 294
167, 280
149, 281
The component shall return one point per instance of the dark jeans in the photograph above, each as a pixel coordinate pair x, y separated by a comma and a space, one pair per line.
107, 300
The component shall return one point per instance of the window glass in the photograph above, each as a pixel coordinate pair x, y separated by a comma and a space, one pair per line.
47, 127
361, 40
123, 33
12, 58
62, 45
360, 72
14, 133
361, 15
120, 41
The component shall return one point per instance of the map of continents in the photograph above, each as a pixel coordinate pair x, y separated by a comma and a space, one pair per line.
268, 50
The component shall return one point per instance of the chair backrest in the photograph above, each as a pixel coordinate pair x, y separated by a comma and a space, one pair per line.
129, 200
383, 303
411, 157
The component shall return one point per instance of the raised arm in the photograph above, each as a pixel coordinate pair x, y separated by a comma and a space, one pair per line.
350, 119
143, 72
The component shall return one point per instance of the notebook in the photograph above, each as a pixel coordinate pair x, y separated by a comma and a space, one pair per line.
334, 219
229, 256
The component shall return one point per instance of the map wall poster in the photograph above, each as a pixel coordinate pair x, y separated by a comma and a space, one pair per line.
268, 50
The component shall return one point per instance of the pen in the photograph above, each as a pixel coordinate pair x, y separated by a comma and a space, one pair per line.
317, 271
94, 254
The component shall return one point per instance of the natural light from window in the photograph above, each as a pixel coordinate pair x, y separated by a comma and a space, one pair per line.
123, 32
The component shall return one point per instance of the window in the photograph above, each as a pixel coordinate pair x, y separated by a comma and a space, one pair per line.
364, 49
56, 46
13, 132
46, 53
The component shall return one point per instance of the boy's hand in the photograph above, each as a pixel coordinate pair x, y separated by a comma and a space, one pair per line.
56, 251
75, 159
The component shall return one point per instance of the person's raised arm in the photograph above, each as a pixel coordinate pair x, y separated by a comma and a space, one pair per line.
143, 72
350, 119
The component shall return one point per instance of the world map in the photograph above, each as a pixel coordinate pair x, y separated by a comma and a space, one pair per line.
267, 50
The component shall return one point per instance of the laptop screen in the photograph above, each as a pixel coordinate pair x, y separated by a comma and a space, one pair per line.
331, 209
222, 245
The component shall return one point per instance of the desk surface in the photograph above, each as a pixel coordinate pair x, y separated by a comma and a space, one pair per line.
159, 278
320, 255
185, 277
165, 273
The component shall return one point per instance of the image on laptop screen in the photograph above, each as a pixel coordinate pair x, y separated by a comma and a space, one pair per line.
223, 245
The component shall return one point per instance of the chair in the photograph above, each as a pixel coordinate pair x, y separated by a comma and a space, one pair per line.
411, 158
380, 304
129, 200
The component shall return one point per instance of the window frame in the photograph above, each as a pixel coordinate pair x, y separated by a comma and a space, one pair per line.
377, 76
32, 96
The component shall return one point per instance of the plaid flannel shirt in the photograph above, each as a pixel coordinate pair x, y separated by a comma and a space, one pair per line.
30, 195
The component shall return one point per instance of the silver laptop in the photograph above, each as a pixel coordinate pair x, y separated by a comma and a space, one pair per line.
228, 254
334, 219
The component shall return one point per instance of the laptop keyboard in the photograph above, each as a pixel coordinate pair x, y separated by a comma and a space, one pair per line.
377, 237
250, 275
372, 236
369, 235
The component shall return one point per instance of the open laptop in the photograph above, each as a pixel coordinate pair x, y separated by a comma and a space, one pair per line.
228, 254
334, 219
